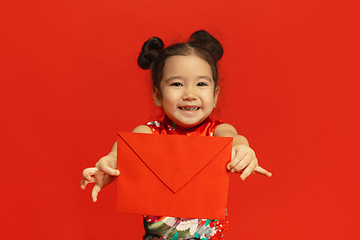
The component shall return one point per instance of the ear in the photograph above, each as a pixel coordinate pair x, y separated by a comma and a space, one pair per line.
216, 94
157, 97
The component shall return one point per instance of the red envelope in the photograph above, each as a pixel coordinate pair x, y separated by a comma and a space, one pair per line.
172, 175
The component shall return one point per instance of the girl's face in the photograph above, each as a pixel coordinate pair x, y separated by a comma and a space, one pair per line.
187, 90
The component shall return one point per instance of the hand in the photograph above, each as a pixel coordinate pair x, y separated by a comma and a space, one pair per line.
244, 161
102, 174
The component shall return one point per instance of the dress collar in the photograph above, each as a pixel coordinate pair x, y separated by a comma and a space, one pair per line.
175, 129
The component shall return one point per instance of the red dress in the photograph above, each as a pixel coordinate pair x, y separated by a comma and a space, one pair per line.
163, 227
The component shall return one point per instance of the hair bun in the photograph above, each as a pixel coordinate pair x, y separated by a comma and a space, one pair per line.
205, 40
150, 50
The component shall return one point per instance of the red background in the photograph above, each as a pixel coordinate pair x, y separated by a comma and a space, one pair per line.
69, 82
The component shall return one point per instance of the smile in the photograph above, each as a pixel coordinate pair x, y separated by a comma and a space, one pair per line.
189, 108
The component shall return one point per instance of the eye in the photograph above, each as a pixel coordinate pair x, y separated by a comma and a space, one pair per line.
201, 84
176, 84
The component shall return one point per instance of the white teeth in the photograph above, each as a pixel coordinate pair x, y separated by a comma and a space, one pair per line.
189, 108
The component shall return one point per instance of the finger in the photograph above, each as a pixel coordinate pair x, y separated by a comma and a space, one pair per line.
88, 172
248, 170
262, 171
95, 192
242, 163
235, 159
83, 183
228, 167
109, 170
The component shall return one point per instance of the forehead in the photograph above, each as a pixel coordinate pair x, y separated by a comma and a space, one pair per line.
186, 65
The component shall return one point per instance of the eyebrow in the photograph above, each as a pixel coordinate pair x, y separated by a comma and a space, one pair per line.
180, 77
206, 77
174, 77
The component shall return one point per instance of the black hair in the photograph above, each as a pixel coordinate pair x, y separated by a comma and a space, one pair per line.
153, 54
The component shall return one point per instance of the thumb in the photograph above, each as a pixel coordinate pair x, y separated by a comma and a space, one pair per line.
110, 171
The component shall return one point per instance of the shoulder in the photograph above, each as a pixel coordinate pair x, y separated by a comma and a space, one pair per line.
225, 130
142, 129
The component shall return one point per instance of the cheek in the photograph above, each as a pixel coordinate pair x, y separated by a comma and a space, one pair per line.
169, 98
209, 97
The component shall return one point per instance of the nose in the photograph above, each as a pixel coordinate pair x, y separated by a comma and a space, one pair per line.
189, 95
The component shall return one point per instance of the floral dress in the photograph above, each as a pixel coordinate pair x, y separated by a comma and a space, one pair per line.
174, 228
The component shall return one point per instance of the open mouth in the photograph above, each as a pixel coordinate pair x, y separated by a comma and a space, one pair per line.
189, 108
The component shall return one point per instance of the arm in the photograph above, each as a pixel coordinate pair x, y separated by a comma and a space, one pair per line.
243, 158
105, 171
108, 165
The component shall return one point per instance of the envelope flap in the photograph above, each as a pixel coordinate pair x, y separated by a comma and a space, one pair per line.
164, 155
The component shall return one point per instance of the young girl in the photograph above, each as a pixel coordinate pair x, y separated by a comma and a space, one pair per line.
185, 85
